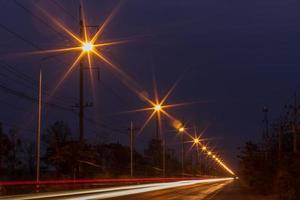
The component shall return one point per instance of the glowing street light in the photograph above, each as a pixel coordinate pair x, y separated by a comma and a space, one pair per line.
157, 108
87, 47
181, 129
196, 141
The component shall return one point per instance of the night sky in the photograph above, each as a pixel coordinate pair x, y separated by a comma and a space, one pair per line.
234, 57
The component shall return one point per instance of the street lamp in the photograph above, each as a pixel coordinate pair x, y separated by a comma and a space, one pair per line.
204, 148
182, 130
87, 47
39, 117
157, 107
196, 141
38, 133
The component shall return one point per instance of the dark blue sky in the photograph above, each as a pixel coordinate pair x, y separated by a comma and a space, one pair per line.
241, 56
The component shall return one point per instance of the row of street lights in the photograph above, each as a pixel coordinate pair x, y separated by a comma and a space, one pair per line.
87, 47
197, 142
158, 108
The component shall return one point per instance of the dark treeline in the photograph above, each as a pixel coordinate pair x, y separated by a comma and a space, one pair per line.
63, 157
273, 165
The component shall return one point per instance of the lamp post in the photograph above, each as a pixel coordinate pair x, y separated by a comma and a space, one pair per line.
131, 149
181, 131
204, 148
157, 108
196, 142
39, 118
38, 133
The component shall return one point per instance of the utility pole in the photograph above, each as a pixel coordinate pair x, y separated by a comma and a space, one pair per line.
157, 128
38, 133
131, 149
280, 140
295, 120
164, 150
182, 154
204, 165
157, 134
164, 157
132, 130
266, 132
81, 87
39, 123
199, 160
266, 121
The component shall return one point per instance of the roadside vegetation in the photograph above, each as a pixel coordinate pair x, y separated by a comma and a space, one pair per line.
273, 165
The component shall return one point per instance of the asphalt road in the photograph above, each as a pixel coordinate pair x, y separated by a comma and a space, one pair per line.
187, 190
193, 192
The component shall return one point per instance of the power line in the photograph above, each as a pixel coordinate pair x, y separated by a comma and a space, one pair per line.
39, 18
28, 97
21, 94
58, 4
4, 27
29, 81
22, 38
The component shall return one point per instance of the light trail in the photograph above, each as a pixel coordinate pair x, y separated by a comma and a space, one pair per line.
113, 191
103, 181
146, 189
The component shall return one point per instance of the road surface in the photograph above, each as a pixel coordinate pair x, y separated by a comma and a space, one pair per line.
187, 190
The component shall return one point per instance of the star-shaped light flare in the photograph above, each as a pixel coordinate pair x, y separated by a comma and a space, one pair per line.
86, 46
158, 107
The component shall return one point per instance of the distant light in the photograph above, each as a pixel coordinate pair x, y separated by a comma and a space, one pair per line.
181, 129
209, 153
157, 107
196, 141
214, 156
177, 124
87, 46
204, 148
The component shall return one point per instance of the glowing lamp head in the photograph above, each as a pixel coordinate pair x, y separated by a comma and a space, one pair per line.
157, 107
87, 46
214, 156
181, 129
209, 153
196, 141
204, 148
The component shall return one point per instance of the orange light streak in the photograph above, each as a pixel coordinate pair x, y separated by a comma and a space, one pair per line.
70, 69
106, 22
146, 122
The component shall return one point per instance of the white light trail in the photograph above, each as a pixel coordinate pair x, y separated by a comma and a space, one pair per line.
112, 192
